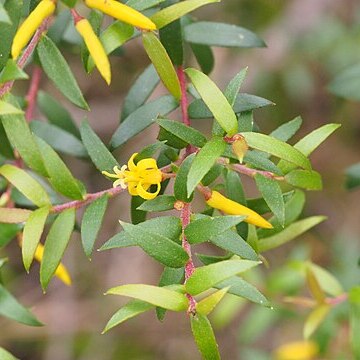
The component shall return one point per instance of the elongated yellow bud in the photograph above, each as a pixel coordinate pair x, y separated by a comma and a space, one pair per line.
30, 25
220, 202
61, 271
95, 47
122, 12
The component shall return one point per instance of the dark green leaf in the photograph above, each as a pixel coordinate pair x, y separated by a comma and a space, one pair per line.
204, 337
57, 69
306, 179
98, 152
141, 118
352, 176
5, 146
234, 86
160, 203
203, 162
91, 223
12, 309
141, 5
137, 216
7, 233
212, 174
55, 245
288, 130
246, 121
204, 57
180, 187
219, 34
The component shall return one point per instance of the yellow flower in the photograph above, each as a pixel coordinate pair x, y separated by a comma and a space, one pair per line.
27, 29
299, 350
122, 12
95, 47
138, 178
222, 203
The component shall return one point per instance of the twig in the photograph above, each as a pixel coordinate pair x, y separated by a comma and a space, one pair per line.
32, 93
243, 169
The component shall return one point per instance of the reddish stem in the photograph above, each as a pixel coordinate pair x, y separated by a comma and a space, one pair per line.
243, 169
337, 300
32, 93
27, 53
76, 16
183, 100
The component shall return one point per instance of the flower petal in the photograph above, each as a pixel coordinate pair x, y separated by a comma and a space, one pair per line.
131, 164
146, 164
146, 194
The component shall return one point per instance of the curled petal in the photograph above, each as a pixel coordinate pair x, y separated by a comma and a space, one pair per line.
146, 164
131, 164
106, 173
141, 190
120, 182
132, 188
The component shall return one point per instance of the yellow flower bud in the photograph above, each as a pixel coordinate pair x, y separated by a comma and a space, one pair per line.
95, 47
30, 25
300, 350
222, 203
122, 12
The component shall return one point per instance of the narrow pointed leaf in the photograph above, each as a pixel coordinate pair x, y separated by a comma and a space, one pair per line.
207, 305
206, 277
234, 86
180, 185
55, 245
306, 179
160, 203
328, 282
315, 319
12, 72
288, 130
204, 57
13, 216
5, 355
8, 109
354, 300
32, 233
158, 296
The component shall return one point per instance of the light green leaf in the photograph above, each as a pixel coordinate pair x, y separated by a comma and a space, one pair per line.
130, 310
315, 319
203, 162
12, 309
219, 34
98, 152
162, 63
277, 148
215, 100
208, 304
291, 232
27, 185
60, 176
306, 179
55, 245
206, 277
91, 223
272, 194
204, 337
13, 216
327, 281
158, 296
57, 69
11, 71
176, 11
354, 300
206, 228
32, 233
5, 355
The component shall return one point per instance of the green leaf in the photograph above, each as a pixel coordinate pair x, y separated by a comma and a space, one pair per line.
354, 300
277, 148
204, 57
137, 216
32, 233
141, 5
12, 72
7, 31
203, 162
183, 132
244, 102
60, 176
272, 194
140, 91
57, 69
206, 277
234, 86
55, 245
208, 304
180, 185
286, 131
306, 179
162, 63
6, 149
7, 233
215, 100
160, 203
352, 176
327, 281
204, 337
315, 318
141, 118
206, 228
158, 246
56, 113
219, 34
176, 11
18, 132
13, 216
309, 143
347, 83
91, 223
158, 296
27, 185
5, 355
98, 152
291, 232
59, 139
168, 226
4, 16
130, 310
12, 309
233, 242
242, 288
